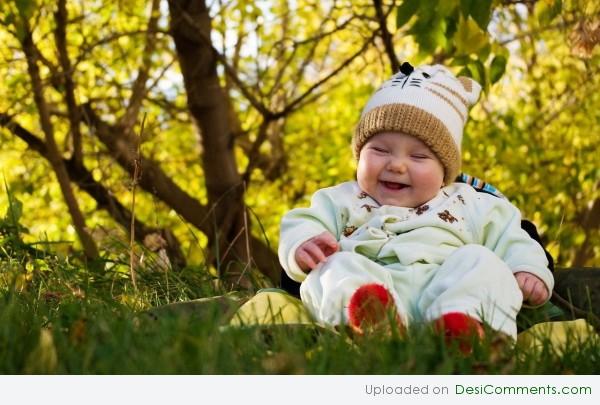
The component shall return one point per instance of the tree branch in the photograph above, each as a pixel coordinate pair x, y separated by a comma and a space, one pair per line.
157, 183
84, 179
55, 159
254, 151
87, 49
386, 36
67, 78
139, 90
298, 100
536, 32
153, 180
229, 70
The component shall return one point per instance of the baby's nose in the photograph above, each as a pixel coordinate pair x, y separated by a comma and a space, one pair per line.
397, 165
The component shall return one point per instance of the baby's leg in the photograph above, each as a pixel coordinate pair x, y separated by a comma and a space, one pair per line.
327, 290
476, 282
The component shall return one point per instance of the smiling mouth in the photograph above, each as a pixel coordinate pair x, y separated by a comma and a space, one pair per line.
393, 185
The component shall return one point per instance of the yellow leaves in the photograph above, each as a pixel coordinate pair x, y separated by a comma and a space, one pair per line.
97, 174
333, 171
568, 160
580, 238
319, 133
469, 38
134, 301
21, 281
553, 248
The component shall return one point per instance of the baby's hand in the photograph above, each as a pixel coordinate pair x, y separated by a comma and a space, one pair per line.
315, 250
534, 290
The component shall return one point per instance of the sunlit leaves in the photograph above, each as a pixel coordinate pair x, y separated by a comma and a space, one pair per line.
469, 37
406, 11
542, 118
533, 134
497, 68
25, 8
546, 10
15, 15
458, 31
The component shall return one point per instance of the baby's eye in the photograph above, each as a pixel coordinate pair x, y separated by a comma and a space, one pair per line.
379, 149
420, 156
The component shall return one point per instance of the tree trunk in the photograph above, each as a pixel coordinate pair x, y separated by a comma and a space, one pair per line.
83, 178
228, 234
590, 224
54, 155
155, 181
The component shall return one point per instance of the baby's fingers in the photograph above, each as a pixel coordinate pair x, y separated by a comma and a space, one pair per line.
327, 242
305, 260
534, 291
538, 294
330, 240
315, 252
527, 290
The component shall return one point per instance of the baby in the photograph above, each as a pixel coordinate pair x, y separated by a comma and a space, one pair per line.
404, 237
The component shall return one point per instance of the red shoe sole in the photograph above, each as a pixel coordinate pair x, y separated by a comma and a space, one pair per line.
369, 306
460, 327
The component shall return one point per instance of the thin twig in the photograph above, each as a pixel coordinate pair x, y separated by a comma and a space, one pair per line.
139, 89
231, 244
248, 254
294, 104
386, 36
136, 177
74, 112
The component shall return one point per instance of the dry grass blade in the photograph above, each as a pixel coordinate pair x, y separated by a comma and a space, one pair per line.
136, 176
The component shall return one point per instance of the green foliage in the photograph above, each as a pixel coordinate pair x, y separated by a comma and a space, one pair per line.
56, 327
547, 10
480, 11
10, 225
497, 68
534, 134
457, 29
61, 318
460, 30
406, 11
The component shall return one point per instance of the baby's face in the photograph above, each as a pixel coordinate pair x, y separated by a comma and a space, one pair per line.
398, 169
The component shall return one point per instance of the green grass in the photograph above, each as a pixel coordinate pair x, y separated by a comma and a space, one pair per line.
58, 316
67, 320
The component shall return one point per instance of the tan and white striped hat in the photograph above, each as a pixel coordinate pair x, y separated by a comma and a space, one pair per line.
428, 102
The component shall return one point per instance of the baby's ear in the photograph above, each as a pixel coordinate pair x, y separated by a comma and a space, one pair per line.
472, 88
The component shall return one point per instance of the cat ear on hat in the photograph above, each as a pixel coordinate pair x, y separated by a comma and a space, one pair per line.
472, 88
406, 68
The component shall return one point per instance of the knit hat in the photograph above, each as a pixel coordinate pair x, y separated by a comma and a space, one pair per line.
429, 103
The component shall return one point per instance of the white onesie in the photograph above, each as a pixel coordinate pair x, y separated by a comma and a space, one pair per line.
455, 253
